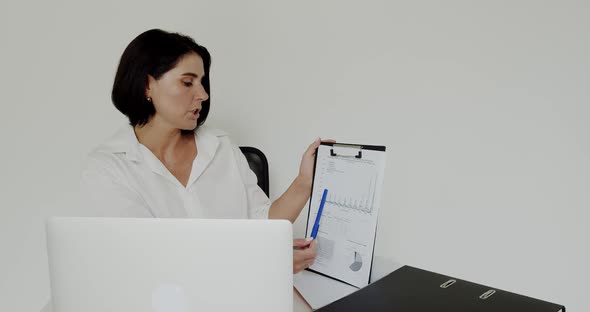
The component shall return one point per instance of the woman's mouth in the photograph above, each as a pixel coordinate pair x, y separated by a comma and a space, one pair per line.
195, 113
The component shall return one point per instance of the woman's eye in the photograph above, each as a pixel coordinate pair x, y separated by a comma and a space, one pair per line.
187, 83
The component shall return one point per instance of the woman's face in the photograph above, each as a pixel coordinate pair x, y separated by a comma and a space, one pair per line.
178, 94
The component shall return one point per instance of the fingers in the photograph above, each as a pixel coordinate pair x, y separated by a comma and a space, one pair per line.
300, 266
310, 252
304, 258
313, 251
312, 147
313, 244
301, 243
317, 143
304, 254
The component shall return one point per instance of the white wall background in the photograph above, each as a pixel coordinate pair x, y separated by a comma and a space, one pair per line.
483, 105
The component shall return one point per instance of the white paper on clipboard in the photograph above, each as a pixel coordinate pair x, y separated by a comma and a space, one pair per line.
353, 176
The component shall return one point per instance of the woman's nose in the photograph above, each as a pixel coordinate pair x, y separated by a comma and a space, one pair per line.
201, 95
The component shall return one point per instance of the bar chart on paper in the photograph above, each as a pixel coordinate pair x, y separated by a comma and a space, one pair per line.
352, 182
362, 201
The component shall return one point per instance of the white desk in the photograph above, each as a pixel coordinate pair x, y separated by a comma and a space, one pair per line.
381, 267
299, 305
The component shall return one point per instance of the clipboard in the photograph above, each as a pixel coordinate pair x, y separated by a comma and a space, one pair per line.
353, 173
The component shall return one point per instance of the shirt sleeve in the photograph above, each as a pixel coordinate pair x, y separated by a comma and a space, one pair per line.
103, 195
258, 203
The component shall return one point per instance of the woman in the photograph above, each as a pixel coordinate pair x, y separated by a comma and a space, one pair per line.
166, 163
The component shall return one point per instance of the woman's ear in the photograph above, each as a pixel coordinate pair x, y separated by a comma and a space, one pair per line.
151, 82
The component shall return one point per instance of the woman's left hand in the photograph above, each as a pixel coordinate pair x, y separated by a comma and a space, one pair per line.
308, 161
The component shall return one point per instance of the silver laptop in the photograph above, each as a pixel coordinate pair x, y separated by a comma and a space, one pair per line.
170, 265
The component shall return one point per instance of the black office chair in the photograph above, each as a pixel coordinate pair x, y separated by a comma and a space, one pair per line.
259, 164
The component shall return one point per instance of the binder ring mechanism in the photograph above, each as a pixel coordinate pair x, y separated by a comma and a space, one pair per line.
487, 294
346, 151
448, 283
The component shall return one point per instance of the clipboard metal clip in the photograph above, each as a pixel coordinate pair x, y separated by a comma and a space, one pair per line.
344, 151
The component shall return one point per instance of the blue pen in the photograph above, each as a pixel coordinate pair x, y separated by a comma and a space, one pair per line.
316, 225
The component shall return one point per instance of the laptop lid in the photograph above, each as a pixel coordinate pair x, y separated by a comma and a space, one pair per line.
170, 265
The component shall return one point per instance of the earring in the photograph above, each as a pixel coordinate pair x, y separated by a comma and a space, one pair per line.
149, 99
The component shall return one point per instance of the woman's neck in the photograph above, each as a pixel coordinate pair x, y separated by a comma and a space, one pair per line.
161, 140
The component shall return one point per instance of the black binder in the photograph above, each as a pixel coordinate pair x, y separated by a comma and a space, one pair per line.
410, 289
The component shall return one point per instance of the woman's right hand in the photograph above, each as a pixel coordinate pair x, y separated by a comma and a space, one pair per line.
304, 253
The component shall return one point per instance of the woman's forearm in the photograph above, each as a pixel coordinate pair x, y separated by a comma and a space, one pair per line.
289, 205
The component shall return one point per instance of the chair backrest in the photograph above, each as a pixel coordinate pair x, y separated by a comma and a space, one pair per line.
259, 164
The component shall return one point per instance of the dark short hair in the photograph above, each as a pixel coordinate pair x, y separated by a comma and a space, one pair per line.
153, 53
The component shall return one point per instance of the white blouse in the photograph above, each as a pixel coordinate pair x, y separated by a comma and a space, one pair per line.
123, 178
